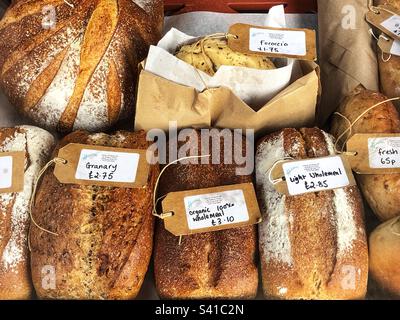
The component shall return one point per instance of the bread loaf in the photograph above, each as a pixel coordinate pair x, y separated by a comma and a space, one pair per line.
218, 264
382, 192
384, 255
210, 54
73, 64
389, 71
312, 246
105, 234
15, 278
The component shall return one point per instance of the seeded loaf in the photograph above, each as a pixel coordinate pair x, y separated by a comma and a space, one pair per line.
15, 278
73, 64
312, 246
105, 234
381, 191
384, 256
211, 265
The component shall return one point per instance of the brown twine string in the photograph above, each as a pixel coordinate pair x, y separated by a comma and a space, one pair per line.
383, 36
33, 198
351, 125
270, 170
376, 9
70, 4
156, 200
392, 227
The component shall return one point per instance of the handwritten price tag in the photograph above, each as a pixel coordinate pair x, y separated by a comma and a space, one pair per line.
384, 152
393, 25
315, 175
6, 170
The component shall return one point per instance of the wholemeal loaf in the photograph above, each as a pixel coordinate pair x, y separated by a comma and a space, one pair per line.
15, 278
73, 64
105, 234
210, 265
210, 54
382, 191
384, 256
389, 71
312, 246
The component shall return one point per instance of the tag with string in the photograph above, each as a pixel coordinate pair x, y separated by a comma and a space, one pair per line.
12, 166
273, 42
386, 19
209, 209
296, 177
389, 46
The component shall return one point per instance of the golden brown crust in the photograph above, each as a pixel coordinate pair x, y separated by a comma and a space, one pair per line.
217, 264
105, 234
381, 191
304, 250
81, 73
384, 256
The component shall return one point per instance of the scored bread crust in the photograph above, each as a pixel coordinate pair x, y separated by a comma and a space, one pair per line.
15, 278
105, 234
79, 72
312, 244
212, 265
380, 190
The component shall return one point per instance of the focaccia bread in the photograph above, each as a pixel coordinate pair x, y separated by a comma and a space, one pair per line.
15, 277
312, 246
211, 265
384, 256
389, 71
212, 53
73, 64
382, 192
105, 234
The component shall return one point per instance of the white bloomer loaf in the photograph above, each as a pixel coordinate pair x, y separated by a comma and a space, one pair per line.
15, 279
312, 246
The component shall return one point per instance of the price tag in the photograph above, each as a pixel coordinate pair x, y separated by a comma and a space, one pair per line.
384, 18
389, 46
12, 171
104, 166
273, 42
211, 209
375, 153
313, 175
392, 25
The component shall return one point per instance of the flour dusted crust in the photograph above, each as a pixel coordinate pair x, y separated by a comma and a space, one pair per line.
15, 279
105, 234
380, 190
312, 246
210, 265
80, 73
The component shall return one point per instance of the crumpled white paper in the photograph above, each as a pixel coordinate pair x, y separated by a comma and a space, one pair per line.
253, 86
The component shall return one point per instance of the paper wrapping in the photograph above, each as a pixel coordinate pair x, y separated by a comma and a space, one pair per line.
347, 55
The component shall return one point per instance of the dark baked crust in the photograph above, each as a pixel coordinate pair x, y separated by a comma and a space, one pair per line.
310, 264
105, 234
217, 264
381, 191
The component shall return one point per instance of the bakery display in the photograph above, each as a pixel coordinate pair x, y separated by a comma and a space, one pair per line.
312, 246
389, 70
73, 64
15, 277
219, 264
105, 234
380, 190
384, 256
209, 54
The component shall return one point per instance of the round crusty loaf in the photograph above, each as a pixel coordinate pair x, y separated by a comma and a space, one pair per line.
15, 278
384, 256
105, 234
216, 53
73, 64
389, 71
381, 191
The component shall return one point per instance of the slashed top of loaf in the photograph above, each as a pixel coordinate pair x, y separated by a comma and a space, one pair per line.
37, 144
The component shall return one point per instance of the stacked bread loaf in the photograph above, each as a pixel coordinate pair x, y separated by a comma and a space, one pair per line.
218, 264
380, 190
15, 277
312, 246
105, 234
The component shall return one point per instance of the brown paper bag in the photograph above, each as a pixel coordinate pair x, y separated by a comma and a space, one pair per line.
347, 54
160, 101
